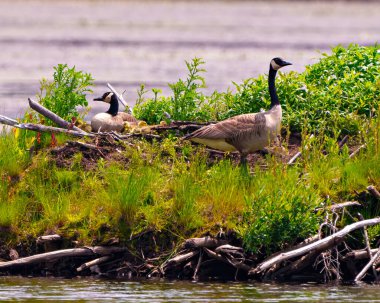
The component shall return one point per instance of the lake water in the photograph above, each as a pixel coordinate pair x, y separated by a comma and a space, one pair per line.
159, 291
132, 42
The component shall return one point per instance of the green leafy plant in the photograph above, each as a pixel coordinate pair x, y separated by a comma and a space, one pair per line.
66, 92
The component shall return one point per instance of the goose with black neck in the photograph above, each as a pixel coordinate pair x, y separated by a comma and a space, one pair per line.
112, 120
246, 133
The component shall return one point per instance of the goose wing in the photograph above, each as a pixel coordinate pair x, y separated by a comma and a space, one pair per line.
234, 127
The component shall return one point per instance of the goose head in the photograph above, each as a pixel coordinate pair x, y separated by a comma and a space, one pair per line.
277, 63
107, 97
111, 99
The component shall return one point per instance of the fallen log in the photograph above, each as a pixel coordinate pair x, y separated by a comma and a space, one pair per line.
320, 245
207, 242
358, 254
232, 262
181, 258
52, 116
65, 253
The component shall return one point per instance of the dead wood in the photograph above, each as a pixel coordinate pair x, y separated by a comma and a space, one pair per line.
7, 121
295, 266
207, 242
97, 261
368, 246
48, 238
181, 258
338, 206
52, 116
343, 141
374, 192
321, 245
230, 250
358, 254
198, 265
368, 265
232, 262
356, 151
294, 158
65, 253
119, 97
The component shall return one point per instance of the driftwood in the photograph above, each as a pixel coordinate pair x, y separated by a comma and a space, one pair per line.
374, 192
358, 254
181, 258
94, 262
232, 262
320, 245
367, 244
43, 128
65, 253
52, 116
207, 242
369, 264
48, 238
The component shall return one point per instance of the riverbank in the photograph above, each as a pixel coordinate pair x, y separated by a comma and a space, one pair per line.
146, 192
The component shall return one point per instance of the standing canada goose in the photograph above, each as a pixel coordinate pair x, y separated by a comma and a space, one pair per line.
112, 119
246, 133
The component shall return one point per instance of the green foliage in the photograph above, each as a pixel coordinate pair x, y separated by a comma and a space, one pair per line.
280, 211
186, 103
66, 92
332, 95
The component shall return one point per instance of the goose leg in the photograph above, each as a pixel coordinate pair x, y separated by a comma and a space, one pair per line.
243, 159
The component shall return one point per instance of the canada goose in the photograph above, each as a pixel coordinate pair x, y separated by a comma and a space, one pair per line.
112, 119
246, 133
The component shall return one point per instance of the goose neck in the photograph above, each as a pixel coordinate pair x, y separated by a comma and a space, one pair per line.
272, 87
114, 106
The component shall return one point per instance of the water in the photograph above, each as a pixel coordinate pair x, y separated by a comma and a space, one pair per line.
159, 291
132, 42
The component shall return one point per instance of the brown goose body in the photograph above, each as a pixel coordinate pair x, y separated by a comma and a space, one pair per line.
112, 120
105, 122
246, 133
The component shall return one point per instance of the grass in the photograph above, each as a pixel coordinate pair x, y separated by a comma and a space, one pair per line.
171, 188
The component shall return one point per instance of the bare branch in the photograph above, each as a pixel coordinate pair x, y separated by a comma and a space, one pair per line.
320, 245
52, 116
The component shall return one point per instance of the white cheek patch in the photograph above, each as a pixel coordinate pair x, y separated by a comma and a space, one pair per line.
108, 98
275, 66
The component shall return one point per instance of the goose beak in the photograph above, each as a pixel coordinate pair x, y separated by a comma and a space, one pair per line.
98, 99
285, 63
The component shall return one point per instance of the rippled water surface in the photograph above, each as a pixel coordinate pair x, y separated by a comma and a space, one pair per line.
94, 290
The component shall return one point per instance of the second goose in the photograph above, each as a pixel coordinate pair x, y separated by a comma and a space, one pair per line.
246, 133
112, 120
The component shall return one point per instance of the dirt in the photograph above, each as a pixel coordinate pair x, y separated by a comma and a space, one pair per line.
133, 42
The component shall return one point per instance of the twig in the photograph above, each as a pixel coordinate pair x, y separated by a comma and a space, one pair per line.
369, 264
320, 245
374, 192
52, 116
294, 158
7, 121
93, 263
368, 246
198, 265
343, 142
356, 151
119, 97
